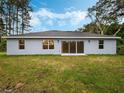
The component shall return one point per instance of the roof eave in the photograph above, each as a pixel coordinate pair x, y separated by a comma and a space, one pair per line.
43, 37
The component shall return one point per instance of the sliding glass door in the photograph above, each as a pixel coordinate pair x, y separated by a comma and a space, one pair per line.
80, 47
65, 47
72, 47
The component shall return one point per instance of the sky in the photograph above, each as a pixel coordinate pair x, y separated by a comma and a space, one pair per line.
65, 15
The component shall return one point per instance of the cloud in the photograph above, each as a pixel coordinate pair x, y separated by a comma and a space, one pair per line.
70, 8
45, 18
35, 21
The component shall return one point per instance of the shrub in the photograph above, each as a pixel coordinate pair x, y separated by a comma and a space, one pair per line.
121, 50
3, 46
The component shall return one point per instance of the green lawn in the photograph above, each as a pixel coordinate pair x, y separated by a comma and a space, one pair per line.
59, 74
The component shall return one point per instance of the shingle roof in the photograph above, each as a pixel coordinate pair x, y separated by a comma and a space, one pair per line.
62, 34
57, 33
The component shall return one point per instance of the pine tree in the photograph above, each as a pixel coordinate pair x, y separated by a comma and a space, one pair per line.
15, 16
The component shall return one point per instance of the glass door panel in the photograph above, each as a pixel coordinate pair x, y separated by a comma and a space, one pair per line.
65, 47
72, 47
80, 47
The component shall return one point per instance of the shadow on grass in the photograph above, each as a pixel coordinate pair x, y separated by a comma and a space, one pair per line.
4, 54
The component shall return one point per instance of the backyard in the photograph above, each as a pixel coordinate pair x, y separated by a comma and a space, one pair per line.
61, 74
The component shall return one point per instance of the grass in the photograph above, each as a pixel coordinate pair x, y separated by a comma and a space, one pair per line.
62, 74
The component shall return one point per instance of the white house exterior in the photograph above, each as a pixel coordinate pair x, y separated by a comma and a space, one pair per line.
61, 43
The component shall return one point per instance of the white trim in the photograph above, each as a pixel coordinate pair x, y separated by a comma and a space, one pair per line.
73, 54
42, 37
76, 45
69, 46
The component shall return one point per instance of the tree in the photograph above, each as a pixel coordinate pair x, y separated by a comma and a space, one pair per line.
1, 27
1, 21
15, 16
107, 12
91, 27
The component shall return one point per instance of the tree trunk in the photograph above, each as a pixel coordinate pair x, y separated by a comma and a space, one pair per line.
0, 39
22, 22
6, 31
98, 23
17, 21
117, 31
9, 19
13, 21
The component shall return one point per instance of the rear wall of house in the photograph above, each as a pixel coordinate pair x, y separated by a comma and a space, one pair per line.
92, 47
34, 46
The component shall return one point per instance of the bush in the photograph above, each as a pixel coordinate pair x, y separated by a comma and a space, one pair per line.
3, 46
121, 50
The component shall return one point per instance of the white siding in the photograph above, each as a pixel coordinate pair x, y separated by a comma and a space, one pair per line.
92, 47
34, 46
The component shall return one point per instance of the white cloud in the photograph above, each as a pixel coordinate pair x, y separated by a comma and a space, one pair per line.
70, 8
61, 23
35, 21
45, 18
50, 22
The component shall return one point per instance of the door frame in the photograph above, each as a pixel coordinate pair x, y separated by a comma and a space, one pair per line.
69, 47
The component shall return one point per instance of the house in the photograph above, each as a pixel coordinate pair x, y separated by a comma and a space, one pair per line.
62, 43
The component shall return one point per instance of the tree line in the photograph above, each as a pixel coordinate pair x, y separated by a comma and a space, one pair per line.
14, 17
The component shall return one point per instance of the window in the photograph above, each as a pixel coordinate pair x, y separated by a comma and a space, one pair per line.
48, 44
21, 44
51, 44
45, 44
101, 44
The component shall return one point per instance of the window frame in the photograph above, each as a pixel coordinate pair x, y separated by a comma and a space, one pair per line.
101, 44
43, 44
49, 44
21, 45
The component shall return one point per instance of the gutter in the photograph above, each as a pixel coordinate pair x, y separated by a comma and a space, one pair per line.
43, 37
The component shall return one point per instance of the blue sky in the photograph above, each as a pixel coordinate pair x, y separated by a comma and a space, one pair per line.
59, 14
